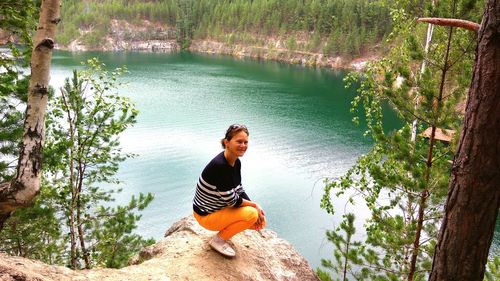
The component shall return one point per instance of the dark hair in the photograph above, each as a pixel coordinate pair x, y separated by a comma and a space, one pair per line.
233, 130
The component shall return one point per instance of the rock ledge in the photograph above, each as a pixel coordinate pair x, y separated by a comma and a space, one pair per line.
183, 254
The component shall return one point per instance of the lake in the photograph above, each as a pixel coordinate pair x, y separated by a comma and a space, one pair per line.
300, 132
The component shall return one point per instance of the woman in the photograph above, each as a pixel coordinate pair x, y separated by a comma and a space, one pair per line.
220, 203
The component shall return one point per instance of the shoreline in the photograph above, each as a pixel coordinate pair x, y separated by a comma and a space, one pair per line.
154, 37
212, 47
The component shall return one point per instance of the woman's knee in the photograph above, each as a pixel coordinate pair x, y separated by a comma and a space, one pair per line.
251, 214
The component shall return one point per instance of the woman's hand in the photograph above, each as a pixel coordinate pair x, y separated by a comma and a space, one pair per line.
259, 208
261, 221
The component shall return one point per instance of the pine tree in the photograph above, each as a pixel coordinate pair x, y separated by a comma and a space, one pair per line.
347, 252
473, 200
83, 151
404, 182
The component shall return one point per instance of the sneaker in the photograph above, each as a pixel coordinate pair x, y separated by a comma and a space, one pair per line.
222, 247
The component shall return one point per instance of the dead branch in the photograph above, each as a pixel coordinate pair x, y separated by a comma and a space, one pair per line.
452, 22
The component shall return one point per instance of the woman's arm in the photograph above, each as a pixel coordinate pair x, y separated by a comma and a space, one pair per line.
249, 203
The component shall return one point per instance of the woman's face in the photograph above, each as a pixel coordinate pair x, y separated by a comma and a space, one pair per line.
238, 144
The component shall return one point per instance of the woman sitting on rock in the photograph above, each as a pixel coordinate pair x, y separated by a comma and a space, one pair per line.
220, 203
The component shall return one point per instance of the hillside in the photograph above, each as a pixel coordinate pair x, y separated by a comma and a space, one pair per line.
310, 32
125, 36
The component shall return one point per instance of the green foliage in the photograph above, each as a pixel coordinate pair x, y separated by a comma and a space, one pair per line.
185, 23
96, 34
492, 269
35, 232
323, 275
333, 42
113, 231
315, 42
82, 149
291, 43
70, 33
347, 252
18, 19
403, 179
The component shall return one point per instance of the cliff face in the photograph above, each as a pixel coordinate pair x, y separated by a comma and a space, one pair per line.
154, 37
124, 36
277, 52
183, 254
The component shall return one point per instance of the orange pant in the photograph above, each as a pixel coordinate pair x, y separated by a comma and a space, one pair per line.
230, 221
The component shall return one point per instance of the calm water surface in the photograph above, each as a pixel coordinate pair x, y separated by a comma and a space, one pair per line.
300, 133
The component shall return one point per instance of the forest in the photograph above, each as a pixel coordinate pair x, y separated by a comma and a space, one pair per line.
415, 187
332, 27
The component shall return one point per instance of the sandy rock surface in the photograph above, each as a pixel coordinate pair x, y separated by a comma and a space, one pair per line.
184, 254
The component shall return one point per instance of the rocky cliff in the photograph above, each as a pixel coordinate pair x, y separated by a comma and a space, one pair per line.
276, 51
155, 37
183, 254
125, 36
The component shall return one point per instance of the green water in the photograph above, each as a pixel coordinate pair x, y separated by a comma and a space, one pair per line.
300, 133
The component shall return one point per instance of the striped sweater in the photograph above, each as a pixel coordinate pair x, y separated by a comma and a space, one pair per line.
219, 186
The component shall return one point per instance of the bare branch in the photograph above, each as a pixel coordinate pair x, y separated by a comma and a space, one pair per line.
452, 22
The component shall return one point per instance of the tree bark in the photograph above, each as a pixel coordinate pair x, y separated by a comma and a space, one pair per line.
81, 233
474, 194
26, 185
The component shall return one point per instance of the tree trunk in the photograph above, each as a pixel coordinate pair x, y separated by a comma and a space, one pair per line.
424, 194
26, 185
74, 192
81, 233
72, 212
72, 235
346, 260
474, 193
